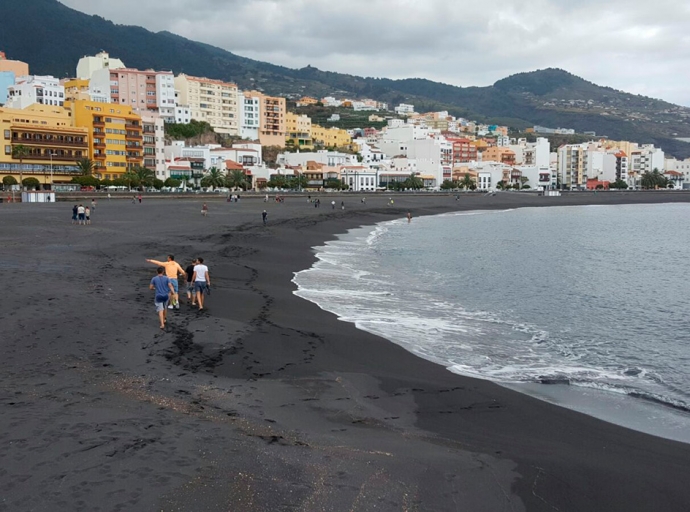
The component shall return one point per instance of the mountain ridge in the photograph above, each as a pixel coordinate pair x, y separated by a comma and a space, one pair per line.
550, 97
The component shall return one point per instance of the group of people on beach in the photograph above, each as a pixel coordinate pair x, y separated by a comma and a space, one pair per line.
81, 215
166, 285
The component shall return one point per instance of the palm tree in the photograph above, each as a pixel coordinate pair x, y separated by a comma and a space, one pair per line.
466, 182
86, 166
21, 151
145, 175
236, 179
214, 178
414, 182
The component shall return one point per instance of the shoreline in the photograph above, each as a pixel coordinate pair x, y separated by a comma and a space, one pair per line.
670, 419
266, 401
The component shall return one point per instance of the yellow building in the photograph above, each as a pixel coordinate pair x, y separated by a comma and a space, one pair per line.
298, 131
213, 101
307, 101
77, 89
115, 144
330, 137
54, 146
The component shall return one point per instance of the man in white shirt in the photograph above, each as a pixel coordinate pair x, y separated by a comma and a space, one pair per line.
202, 281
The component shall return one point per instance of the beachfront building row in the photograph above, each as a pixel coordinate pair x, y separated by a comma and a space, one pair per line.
302, 134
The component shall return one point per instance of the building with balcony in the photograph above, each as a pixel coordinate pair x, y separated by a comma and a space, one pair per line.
298, 131
153, 143
272, 126
330, 137
54, 146
143, 91
83, 89
116, 136
30, 89
249, 107
212, 101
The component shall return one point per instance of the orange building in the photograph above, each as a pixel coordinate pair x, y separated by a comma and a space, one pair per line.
499, 154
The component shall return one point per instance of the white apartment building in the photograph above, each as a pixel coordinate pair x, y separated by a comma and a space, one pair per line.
166, 99
531, 153
178, 150
31, 89
213, 101
249, 107
87, 66
329, 158
681, 166
154, 144
404, 109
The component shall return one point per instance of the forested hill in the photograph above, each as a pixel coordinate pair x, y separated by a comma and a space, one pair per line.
52, 38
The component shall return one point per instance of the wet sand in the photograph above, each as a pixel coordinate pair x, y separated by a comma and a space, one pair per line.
265, 402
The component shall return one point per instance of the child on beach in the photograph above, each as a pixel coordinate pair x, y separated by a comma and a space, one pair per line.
204, 210
87, 215
163, 288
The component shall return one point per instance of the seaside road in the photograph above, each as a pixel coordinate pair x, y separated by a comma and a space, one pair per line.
265, 402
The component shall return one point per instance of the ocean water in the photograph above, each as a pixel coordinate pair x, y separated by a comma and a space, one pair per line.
587, 307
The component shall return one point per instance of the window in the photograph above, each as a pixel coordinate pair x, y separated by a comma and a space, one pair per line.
8, 150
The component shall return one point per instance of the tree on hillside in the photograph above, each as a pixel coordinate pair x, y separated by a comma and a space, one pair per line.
20, 151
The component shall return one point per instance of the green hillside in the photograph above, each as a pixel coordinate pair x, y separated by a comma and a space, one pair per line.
52, 38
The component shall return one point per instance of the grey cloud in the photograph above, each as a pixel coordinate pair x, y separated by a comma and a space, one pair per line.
633, 45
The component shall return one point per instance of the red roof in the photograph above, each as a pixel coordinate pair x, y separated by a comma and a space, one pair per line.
233, 166
674, 173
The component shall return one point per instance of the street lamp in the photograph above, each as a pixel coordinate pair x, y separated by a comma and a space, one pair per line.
51, 170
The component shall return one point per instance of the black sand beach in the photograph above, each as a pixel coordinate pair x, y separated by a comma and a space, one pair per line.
264, 402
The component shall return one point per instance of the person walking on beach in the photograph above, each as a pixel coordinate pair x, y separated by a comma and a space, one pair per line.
204, 210
409, 217
191, 298
266, 199
75, 214
172, 270
93, 205
81, 214
202, 281
333, 205
264, 216
134, 199
87, 215
164, 288
139, 198
342, 205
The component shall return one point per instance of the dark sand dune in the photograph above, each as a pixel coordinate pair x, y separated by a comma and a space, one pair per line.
264, 402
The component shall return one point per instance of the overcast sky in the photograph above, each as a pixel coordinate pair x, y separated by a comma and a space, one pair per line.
639, 46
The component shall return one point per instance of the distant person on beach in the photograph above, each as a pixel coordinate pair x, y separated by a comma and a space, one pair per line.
266, 199
202, 281
139, 198
134, 199
204, 210
332, 205
264, 216
75, 214
364, 200
342, 205
87, 215
409, 217
190, 284
108, 196
81, 214
164, 288
93, 205
172, 270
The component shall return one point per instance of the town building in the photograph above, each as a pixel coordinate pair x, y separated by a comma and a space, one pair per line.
88, 65
144, 91
249, 106
153, 143
54, 145
81, 89
272, 127
298, 131
330, 137
30, 89
212, 101
9, 71
116, 135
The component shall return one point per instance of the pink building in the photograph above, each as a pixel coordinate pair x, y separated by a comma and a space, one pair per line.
152, 91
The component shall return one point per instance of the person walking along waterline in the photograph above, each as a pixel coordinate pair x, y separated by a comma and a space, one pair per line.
202, 281
264, 216
204, 210
164, 288
172, 270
